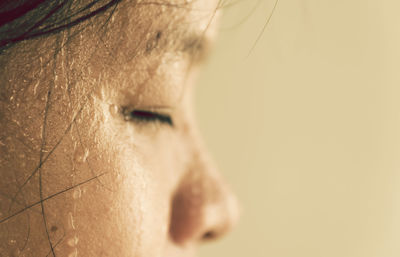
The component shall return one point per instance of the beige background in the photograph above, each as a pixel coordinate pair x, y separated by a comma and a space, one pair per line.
307, 127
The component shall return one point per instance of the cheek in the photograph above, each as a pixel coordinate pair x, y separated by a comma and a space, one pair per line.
112, 188
130, 204
143, 206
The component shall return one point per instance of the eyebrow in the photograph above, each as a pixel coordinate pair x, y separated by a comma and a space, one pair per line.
196, 46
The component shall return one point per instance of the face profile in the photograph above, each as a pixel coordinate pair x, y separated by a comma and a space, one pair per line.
99, 150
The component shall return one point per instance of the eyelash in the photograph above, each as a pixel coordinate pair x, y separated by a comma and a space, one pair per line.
145, 116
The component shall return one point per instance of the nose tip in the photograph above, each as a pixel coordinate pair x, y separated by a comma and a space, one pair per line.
203, 208
220, 218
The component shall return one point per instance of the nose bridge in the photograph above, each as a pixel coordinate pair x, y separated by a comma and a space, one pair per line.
203, 206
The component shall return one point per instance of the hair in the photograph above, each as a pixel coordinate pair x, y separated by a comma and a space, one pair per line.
27, 19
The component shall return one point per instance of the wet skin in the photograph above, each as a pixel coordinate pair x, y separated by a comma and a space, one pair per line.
99, 151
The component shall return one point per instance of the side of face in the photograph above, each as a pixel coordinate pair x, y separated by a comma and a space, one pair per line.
100, 155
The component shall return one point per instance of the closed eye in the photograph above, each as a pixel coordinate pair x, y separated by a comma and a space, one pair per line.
150, 116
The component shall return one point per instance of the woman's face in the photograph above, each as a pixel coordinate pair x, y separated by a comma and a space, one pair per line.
99, 154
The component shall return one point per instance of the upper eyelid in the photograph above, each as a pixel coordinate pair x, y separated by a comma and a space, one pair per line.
152, 116
163, 110
158, 114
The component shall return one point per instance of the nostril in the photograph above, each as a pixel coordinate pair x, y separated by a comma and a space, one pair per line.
210, 235
202, 208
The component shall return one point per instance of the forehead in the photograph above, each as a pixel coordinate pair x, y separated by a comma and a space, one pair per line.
149, 27
143, 44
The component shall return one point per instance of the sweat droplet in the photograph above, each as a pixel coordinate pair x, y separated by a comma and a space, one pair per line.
85, 155
71, 221
35, 88
73, 241
77, 193
74, 254
81, 155
113, 109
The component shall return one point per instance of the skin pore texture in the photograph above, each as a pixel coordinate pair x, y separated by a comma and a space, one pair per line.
99, 151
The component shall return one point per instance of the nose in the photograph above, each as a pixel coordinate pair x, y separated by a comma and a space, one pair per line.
203, 206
